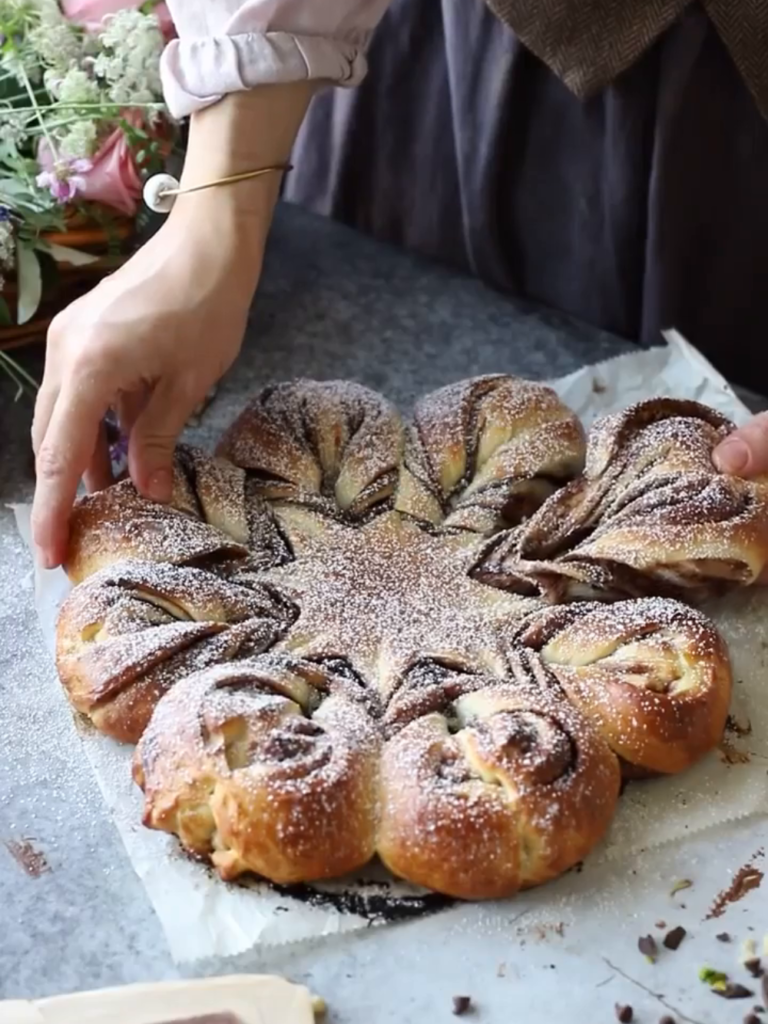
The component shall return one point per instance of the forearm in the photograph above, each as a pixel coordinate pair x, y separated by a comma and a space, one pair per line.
245, 131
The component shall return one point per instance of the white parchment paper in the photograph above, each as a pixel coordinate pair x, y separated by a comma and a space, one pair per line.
202, 917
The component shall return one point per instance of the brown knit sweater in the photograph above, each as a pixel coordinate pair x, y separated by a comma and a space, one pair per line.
587, 43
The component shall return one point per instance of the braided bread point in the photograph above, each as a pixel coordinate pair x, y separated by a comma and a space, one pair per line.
487, 452
334, 446
211, 518
128, 633
652, 675
515, 790
268, 766
651, 515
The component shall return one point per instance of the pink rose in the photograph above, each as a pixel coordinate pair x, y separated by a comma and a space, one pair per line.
89, 13
111, 179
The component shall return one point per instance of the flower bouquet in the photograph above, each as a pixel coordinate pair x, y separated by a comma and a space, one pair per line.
82, 123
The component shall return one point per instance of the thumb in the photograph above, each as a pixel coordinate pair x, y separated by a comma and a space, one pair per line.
153, 440
745, 451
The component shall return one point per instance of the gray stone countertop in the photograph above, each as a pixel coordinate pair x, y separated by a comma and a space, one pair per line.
331, 305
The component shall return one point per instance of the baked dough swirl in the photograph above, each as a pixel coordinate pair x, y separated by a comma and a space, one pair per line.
650, 515
485, 453
505, 787
269, 765
346, 638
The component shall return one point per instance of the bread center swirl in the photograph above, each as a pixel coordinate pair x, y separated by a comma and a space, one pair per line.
389, 594
532, 745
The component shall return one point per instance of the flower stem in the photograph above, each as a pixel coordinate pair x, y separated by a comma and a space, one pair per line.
36, 107
19, 376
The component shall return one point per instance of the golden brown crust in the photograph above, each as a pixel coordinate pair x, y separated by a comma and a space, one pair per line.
268, 766
653, 676
333, 446
651, 515
329, 675
211, 518
127, 634
487, 452
519, 793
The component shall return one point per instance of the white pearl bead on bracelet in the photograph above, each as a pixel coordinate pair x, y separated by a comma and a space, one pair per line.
160, 190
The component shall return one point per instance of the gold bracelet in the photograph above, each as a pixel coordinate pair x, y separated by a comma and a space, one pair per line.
160, 191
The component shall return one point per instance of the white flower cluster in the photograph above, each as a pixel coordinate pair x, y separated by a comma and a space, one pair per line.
7, 246
129, 60
53, 38
76, 88
80, 140
13, 129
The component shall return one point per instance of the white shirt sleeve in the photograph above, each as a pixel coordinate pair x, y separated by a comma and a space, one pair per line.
226, 46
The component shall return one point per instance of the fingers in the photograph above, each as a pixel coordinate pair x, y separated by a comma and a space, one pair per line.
129, 406
48, 393
65, 451
44, 405
98, 474
153, 439
745, 451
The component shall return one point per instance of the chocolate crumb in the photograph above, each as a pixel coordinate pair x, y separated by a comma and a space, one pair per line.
754, 966
31, 860
461, 1005
674, 937
660, 924
723, 937
745, 880
624, 1014
764, 990
647, 946
758, 1009
737, 728
667, 1020
752, 1018
733, 991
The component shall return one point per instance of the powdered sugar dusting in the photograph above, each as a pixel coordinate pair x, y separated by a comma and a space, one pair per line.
486, 452
650, 514
349, 628
335, 445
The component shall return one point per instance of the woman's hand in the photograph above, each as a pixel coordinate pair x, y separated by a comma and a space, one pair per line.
150, 340
745, 451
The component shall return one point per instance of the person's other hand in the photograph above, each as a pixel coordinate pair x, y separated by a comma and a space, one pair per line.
149, 341
745, 451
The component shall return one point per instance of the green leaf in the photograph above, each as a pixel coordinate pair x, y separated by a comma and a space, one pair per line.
15, 188
6, 320
30, 284
64, 254
49, 270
